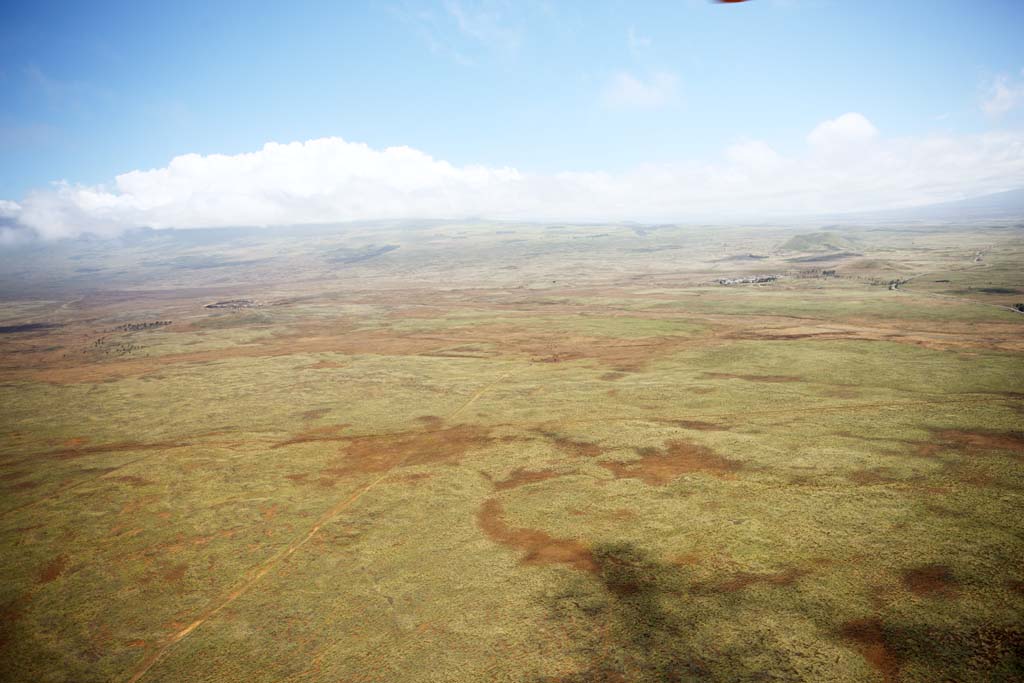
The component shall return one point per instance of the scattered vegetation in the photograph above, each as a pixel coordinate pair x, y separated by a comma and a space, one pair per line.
629, 475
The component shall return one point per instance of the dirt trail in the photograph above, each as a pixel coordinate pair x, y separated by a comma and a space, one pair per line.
255, 575
478, 394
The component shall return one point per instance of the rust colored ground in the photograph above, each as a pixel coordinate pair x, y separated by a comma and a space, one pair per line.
962, 439
868, 636
931, 581
78, 452
573, 447
539, 547
658, 467
368, 455
52, 570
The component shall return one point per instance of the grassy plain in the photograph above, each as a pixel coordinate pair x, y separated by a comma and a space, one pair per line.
513, 453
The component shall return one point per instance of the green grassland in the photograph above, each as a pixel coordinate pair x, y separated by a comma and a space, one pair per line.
378, 477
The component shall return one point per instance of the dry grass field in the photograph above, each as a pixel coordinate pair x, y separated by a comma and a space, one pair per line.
494, 452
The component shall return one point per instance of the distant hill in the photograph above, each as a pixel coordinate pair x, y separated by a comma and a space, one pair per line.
1003, 205
818, 242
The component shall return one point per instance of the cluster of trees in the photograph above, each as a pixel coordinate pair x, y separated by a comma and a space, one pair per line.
105, 346
813, 273
135, 327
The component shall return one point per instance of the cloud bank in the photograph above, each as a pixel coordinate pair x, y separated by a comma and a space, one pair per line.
846, 165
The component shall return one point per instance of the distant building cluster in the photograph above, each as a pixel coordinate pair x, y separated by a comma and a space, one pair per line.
749, 280
233, 303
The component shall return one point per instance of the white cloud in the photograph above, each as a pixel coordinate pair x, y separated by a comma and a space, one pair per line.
330, 179
625, 91
1003, 93
754, 154
9, 209
847, 132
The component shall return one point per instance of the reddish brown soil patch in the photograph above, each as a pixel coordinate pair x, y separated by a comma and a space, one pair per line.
23, 486
1016, 586
344, 337
868, 636
175, 573
582, 449
297, 477
53, 569
772, 379
930, 581
521, 477
76, 442
8, 476
78, 452
659, 467
268, 513
365, 455
430, 421
1006, 441
326, 433
539, 546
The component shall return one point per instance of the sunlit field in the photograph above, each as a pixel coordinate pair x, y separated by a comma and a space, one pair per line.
514, 453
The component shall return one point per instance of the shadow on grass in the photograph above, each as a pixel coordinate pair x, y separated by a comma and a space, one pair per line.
642, 622
626, 627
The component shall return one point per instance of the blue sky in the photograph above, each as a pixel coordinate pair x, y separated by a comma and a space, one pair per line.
92, 90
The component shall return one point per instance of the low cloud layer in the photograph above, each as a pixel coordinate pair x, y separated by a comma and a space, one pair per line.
846, 165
